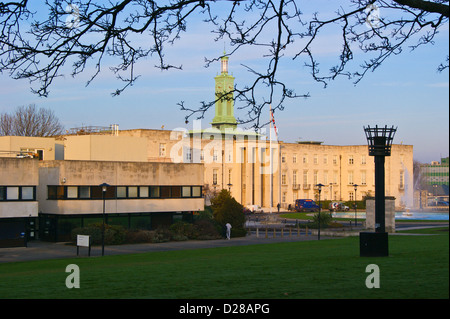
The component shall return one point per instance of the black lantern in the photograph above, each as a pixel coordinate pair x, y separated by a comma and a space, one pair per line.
379, 140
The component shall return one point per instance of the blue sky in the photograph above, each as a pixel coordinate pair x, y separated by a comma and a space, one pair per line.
406, 91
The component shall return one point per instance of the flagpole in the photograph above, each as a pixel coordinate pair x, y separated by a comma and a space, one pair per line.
270, 159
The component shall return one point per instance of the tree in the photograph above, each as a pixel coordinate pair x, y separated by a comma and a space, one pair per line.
227, 210
30, 121
65, 33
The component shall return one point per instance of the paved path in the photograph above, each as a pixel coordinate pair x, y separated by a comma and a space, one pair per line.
38, 250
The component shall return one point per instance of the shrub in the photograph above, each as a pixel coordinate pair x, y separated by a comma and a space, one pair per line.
207, 229
183, 231
227, 210
139, 236
325, 219
114, 234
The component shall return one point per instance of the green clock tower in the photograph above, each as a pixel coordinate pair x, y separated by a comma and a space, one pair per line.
224, 117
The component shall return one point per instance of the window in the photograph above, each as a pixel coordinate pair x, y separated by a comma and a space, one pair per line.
283, 179
2, 193
72, 192
15, 193
294, 178
350, 160
84, 192
143, 191
316, 177
305, 159
363, 177
55, 192
176, 191
165, 192
186, 191
316, 159
305, 177
132, 191
121, 192
27, 193
402, 180
12, 193
325, 159
188, 155
350, 178
162, 150
334, 159
154, 191
325, 177
363, 159
351, 196
283, 158
294, 158
196, 191
215, 177
96, 192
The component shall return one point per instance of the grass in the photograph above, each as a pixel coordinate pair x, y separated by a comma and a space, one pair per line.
418, 267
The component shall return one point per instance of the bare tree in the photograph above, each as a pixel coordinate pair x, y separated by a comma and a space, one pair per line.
78, 32
30, 121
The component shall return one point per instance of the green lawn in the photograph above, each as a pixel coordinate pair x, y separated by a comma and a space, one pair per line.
417, 267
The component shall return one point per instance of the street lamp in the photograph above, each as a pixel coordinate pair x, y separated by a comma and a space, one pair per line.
319, 186
104, 187
229, 187
379, 140
356, 187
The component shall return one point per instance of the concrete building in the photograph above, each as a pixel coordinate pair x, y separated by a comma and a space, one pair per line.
19, 179
140, 194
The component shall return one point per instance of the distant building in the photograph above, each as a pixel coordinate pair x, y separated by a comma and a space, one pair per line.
158, 176
434, 178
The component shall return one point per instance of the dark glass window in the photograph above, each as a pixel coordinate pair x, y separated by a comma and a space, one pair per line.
55, 192
2, 192
176, 191
165, 192
154, 191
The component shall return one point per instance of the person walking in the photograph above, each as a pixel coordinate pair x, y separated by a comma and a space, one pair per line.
228, 230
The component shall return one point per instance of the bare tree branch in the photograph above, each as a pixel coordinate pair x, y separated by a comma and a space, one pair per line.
72, 36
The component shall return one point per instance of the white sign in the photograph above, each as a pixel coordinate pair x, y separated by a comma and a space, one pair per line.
83, 240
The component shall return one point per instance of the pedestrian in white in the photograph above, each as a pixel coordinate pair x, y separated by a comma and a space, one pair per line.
228, 230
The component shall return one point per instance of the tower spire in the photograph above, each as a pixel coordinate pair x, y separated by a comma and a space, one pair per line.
224, 116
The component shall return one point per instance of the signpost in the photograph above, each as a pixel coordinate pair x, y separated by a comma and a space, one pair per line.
83, 241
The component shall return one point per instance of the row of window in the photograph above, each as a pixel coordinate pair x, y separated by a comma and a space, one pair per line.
17, 193
123, 192
335, 177
351, 159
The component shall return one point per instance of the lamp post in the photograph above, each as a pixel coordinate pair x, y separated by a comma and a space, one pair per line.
229, 187
104, 187
356, 187
379, 140
319, 186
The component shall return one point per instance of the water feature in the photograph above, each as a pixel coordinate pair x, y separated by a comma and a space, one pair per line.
399, 215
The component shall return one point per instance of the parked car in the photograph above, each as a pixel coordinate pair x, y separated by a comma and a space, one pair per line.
306, 205
338, 207
254, 209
